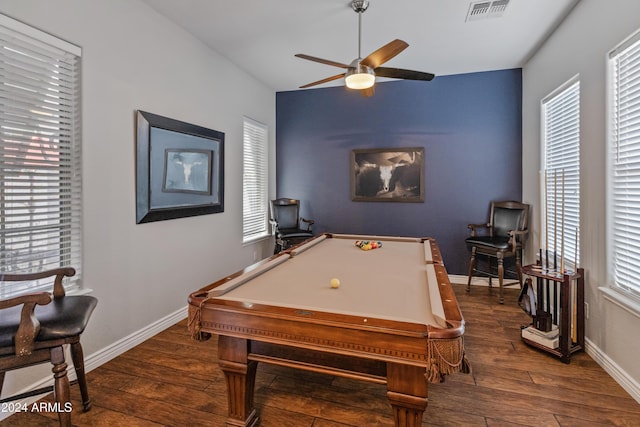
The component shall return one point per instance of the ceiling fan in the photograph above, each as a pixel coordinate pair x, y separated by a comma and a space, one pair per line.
361, 73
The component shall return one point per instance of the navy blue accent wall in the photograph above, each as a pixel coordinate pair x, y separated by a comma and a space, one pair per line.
470, 126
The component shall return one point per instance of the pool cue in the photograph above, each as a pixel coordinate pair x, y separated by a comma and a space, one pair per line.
555, 219
574, 316
574, 299
546, 220
539, 296
540, 257
547, 258
562, 228
547, 289
575, 253
557, 295
541, 183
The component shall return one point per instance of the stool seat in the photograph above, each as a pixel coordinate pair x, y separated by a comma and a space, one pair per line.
63, 317
36, 327
491, 242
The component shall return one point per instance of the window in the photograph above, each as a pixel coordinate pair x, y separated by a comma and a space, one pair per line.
40, 140
624, 165
561, 175
254, 181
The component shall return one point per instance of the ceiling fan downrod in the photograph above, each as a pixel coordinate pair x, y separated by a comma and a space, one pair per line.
359, 6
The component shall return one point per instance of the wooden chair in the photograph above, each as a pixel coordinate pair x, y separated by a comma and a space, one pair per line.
504, 237
34, 329
289, 228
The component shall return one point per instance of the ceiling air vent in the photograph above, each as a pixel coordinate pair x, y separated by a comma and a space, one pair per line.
486, 9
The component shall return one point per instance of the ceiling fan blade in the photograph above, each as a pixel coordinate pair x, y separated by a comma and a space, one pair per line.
385, 53
398, 73
320, 60
319, 82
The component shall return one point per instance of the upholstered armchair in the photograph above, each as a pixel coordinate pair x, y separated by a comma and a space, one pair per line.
288, 227
502, 237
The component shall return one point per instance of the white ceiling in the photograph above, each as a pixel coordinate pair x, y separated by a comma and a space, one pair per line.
262, 36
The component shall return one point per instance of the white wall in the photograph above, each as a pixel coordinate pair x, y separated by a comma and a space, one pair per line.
133, 58
580, 46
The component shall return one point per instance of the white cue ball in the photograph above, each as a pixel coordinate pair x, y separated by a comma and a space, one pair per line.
335, 283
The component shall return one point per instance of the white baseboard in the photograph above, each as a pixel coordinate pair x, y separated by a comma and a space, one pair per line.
127, 343
104, 355
618, 374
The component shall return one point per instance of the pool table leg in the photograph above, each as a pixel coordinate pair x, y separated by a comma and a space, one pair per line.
240, 375
407, 393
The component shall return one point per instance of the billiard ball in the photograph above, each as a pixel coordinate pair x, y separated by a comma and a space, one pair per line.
335, 283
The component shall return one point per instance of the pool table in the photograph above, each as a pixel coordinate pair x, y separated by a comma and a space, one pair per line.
393, 319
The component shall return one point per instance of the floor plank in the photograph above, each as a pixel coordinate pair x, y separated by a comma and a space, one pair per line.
171, 380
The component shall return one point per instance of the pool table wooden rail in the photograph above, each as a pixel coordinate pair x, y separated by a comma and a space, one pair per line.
453, 315
378, 350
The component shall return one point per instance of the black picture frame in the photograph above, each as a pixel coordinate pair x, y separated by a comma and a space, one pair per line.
179, 169
387, 175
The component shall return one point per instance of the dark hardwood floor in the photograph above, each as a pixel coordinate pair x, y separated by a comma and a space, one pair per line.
170, 380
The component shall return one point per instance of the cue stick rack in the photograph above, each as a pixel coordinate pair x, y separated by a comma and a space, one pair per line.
559, 303
557, 308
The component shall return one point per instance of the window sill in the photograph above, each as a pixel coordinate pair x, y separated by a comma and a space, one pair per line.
256, 239
623, 301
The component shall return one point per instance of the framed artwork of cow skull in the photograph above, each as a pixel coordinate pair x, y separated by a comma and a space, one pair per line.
179, 169
387, 175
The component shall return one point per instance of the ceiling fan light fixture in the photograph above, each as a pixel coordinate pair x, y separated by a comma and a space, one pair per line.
361, 73
360, 77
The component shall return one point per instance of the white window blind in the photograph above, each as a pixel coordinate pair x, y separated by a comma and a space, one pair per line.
254, 181
40, 158
561, 132
624, 156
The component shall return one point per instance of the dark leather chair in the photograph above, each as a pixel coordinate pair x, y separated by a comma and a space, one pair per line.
504, 236
34, 329
288, 227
